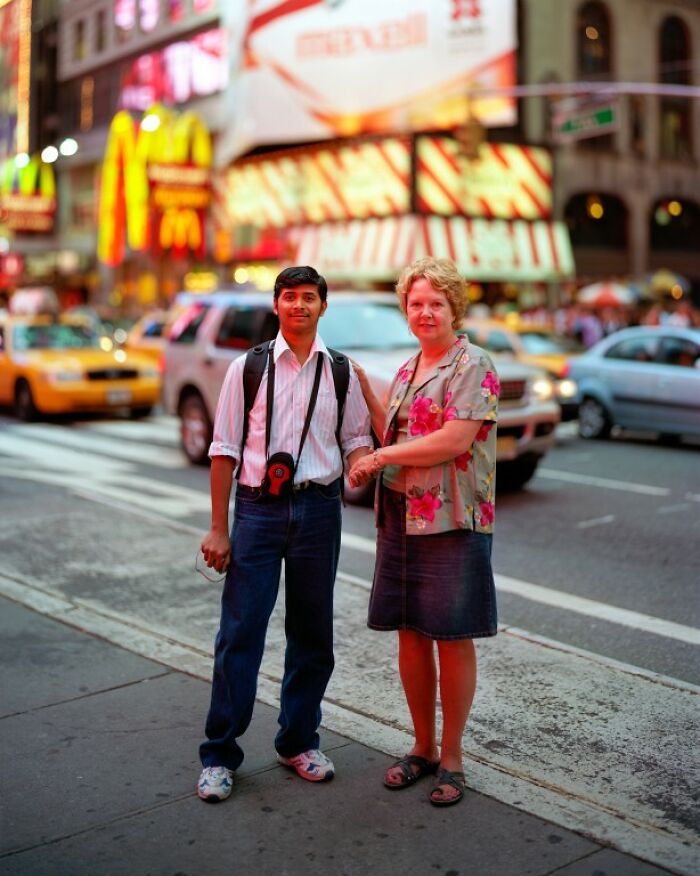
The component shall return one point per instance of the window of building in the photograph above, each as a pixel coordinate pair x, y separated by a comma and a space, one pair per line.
597, 220
593, 39
674, 224
124, 18
87, 107
594, 57
79, 47
176, 10
100, 30
675, 113
149, 12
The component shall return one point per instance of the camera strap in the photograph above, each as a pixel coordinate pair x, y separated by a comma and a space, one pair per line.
271, 399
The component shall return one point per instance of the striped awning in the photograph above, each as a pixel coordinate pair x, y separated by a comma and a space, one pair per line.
483, 249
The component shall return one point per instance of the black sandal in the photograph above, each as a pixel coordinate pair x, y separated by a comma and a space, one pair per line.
448, 777
425, 768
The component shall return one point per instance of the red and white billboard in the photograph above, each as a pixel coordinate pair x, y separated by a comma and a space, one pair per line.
315, 69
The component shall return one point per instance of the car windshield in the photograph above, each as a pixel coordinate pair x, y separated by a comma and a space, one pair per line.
366, 325
540, 343
53, 336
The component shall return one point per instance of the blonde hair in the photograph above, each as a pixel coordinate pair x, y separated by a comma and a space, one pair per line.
443, 276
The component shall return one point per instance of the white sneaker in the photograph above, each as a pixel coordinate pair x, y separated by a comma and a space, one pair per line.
312, 765
215, 783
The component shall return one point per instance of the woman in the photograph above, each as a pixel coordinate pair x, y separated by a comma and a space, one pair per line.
436, 467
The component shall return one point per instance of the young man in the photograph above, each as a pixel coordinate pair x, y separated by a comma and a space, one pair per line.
302, 528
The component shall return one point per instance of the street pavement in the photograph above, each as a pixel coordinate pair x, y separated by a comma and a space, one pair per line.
99, 764
603, 749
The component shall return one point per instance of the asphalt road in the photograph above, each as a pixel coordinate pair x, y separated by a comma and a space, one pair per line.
614, 523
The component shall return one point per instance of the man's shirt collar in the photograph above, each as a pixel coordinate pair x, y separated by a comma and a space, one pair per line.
281, 346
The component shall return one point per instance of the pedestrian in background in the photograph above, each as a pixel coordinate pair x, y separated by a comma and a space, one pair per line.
300, 525
435, 510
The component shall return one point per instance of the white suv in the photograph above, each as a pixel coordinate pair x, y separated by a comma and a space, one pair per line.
370, 328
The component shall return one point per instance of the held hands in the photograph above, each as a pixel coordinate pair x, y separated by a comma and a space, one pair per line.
364, 469
216, 549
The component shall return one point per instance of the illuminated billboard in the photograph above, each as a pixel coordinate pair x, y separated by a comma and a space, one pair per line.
322, 69
9, 75
504, 180
183, 70
350, 181
27, 196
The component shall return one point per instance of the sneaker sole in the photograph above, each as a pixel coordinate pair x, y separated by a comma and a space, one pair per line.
290, 766
210, 798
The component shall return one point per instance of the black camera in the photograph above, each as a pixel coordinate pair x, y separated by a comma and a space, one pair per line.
279, 475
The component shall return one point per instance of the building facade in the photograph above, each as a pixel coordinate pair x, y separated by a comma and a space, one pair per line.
630, 196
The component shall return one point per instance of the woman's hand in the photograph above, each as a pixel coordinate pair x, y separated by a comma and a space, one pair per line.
362, 378
363, 470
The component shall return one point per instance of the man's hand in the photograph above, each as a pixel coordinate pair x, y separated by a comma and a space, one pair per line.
216, 549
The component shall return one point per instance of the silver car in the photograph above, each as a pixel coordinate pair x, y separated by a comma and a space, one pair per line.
645, 378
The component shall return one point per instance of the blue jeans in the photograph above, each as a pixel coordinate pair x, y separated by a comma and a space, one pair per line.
304, 531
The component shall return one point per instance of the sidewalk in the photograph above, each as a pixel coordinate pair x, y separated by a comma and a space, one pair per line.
99, 754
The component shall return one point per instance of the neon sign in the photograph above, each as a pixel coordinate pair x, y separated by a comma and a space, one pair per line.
155, 185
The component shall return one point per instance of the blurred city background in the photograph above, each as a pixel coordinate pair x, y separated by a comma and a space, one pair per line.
545, 145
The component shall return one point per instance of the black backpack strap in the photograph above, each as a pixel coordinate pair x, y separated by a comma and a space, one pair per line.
253, 370
340, 366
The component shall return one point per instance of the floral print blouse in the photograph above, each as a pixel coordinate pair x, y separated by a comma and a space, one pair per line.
459, 494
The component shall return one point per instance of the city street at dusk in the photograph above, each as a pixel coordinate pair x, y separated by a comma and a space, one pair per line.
350, 437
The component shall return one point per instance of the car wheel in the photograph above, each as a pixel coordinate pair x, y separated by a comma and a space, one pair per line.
593, 419
363, 495
140, 413
195, 429
25, 408
513, 475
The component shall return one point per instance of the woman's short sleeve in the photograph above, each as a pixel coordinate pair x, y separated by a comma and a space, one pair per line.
474, 388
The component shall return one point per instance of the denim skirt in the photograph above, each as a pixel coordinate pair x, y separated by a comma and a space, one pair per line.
440, 585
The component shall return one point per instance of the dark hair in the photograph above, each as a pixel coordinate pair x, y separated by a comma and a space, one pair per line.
301, 275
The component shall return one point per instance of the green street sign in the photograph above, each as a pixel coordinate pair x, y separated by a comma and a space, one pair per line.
581, 122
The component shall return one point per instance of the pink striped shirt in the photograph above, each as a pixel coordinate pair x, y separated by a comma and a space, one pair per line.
320, 459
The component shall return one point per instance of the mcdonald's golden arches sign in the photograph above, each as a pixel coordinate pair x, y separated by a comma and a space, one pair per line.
155, 187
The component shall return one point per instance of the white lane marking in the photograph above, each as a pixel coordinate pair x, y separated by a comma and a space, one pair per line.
693, 497
605, 483
595, 521
672, 509
601, 610
103, 445
567, 601
160, 429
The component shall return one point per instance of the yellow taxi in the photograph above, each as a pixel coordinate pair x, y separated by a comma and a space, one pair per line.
535, 345
52, 364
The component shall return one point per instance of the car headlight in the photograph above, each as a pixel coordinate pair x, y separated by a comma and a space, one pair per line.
542, 388
567, 388
65, 376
